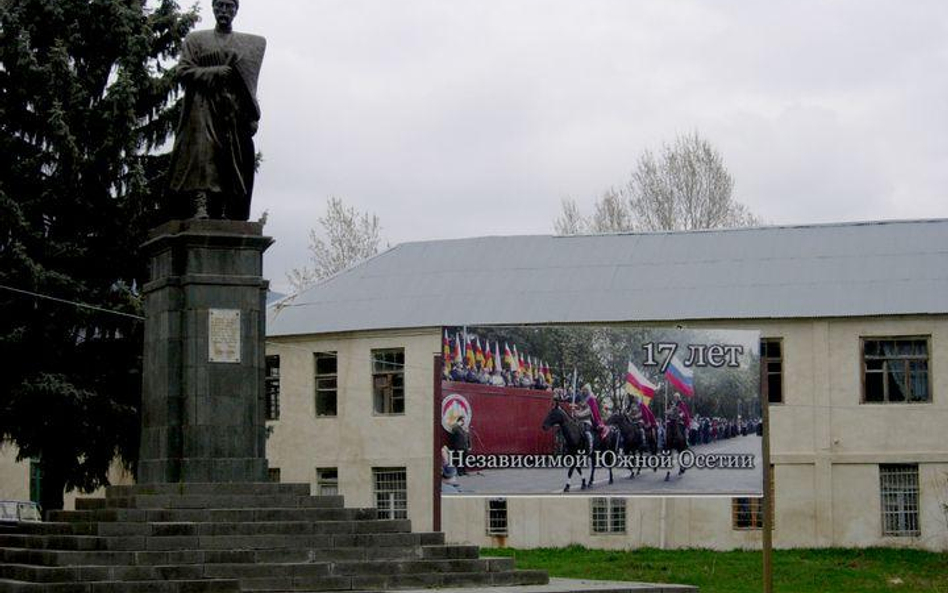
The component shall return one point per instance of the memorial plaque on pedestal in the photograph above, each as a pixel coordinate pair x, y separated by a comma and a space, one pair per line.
223, 331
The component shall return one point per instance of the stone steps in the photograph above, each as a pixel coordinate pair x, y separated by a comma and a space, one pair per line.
245, 537
166, 529
198, 586
42, 557
125, 515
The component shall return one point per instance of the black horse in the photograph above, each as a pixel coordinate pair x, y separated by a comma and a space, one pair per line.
575, 441
634, 438
675, 437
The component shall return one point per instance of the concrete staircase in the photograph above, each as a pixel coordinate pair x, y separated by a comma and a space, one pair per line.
197, 538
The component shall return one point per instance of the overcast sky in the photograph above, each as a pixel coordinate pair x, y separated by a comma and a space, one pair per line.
453, 118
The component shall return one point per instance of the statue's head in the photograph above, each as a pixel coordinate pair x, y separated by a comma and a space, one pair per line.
224, 12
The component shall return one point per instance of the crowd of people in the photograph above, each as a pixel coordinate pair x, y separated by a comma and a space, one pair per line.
465, 361
461, 373
704, 430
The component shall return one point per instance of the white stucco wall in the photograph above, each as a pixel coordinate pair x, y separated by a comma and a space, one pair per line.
826, 445
356, 440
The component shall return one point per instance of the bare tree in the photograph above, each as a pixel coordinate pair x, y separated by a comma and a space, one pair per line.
612, 214
685, 187
345, 237
571, 221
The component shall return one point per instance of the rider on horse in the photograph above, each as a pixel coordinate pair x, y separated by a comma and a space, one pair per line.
587, 410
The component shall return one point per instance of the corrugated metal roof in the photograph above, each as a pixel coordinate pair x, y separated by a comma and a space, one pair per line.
833, 270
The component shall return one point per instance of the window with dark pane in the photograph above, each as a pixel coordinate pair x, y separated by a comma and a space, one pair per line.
497, 516
388, 381
326, 380
327, 481
272, 387
895, 370
771, 369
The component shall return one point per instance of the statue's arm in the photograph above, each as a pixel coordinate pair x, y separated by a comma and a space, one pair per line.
191, 72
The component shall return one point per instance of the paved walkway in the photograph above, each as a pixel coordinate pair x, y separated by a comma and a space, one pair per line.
572, 586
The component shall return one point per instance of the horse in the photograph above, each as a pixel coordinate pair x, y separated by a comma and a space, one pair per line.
634, 439
675, 438
574, 440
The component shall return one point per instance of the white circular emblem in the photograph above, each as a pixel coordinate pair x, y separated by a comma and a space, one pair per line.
453, 407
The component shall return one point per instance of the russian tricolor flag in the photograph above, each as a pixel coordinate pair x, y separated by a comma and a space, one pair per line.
637, 384
681, 377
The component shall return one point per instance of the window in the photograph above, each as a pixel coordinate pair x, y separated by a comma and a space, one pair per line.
327, 481
388, 381
326, 365
895, 370
36, 481
497, 516
771, 369
272, 387
391, 492
608, 515
748, 513
273, 474
898, 487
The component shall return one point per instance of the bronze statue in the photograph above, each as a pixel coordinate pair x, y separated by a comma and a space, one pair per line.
214, 158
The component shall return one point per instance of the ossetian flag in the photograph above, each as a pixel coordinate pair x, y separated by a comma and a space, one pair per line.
637, 384
681, 377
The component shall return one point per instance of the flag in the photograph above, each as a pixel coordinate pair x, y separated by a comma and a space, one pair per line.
517, 358
508, 357
469, 353
488, 357
478, 352
498, 361
457, 349
681, 377
446, 348
637, 384
549, 375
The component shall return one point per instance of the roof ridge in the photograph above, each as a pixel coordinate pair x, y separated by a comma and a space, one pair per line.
766, 227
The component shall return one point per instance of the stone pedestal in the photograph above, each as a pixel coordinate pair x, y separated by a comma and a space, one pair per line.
203, 395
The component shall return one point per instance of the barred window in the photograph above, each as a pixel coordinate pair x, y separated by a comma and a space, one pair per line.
899, 491
327, 481
771, 369
497, 516
388, 381
272, 387
608, 515
895, 370
326, 366
747, 514
391, 492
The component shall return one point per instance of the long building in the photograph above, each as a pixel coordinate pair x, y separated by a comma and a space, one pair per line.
854, 325
854, 343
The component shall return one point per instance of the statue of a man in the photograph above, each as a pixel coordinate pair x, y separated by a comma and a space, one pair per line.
213, 161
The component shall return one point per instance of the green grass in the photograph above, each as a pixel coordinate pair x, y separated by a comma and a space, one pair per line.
795, 571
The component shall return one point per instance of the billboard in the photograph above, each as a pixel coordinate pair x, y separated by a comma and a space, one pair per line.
600, 411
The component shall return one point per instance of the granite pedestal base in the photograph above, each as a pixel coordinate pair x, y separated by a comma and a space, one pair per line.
202, 397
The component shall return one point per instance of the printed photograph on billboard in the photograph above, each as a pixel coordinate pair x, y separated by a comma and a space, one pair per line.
600, 410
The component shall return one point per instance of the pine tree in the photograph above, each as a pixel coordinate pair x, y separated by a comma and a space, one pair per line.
87, 99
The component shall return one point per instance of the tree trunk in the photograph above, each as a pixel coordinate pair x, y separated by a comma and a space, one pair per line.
51, 490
